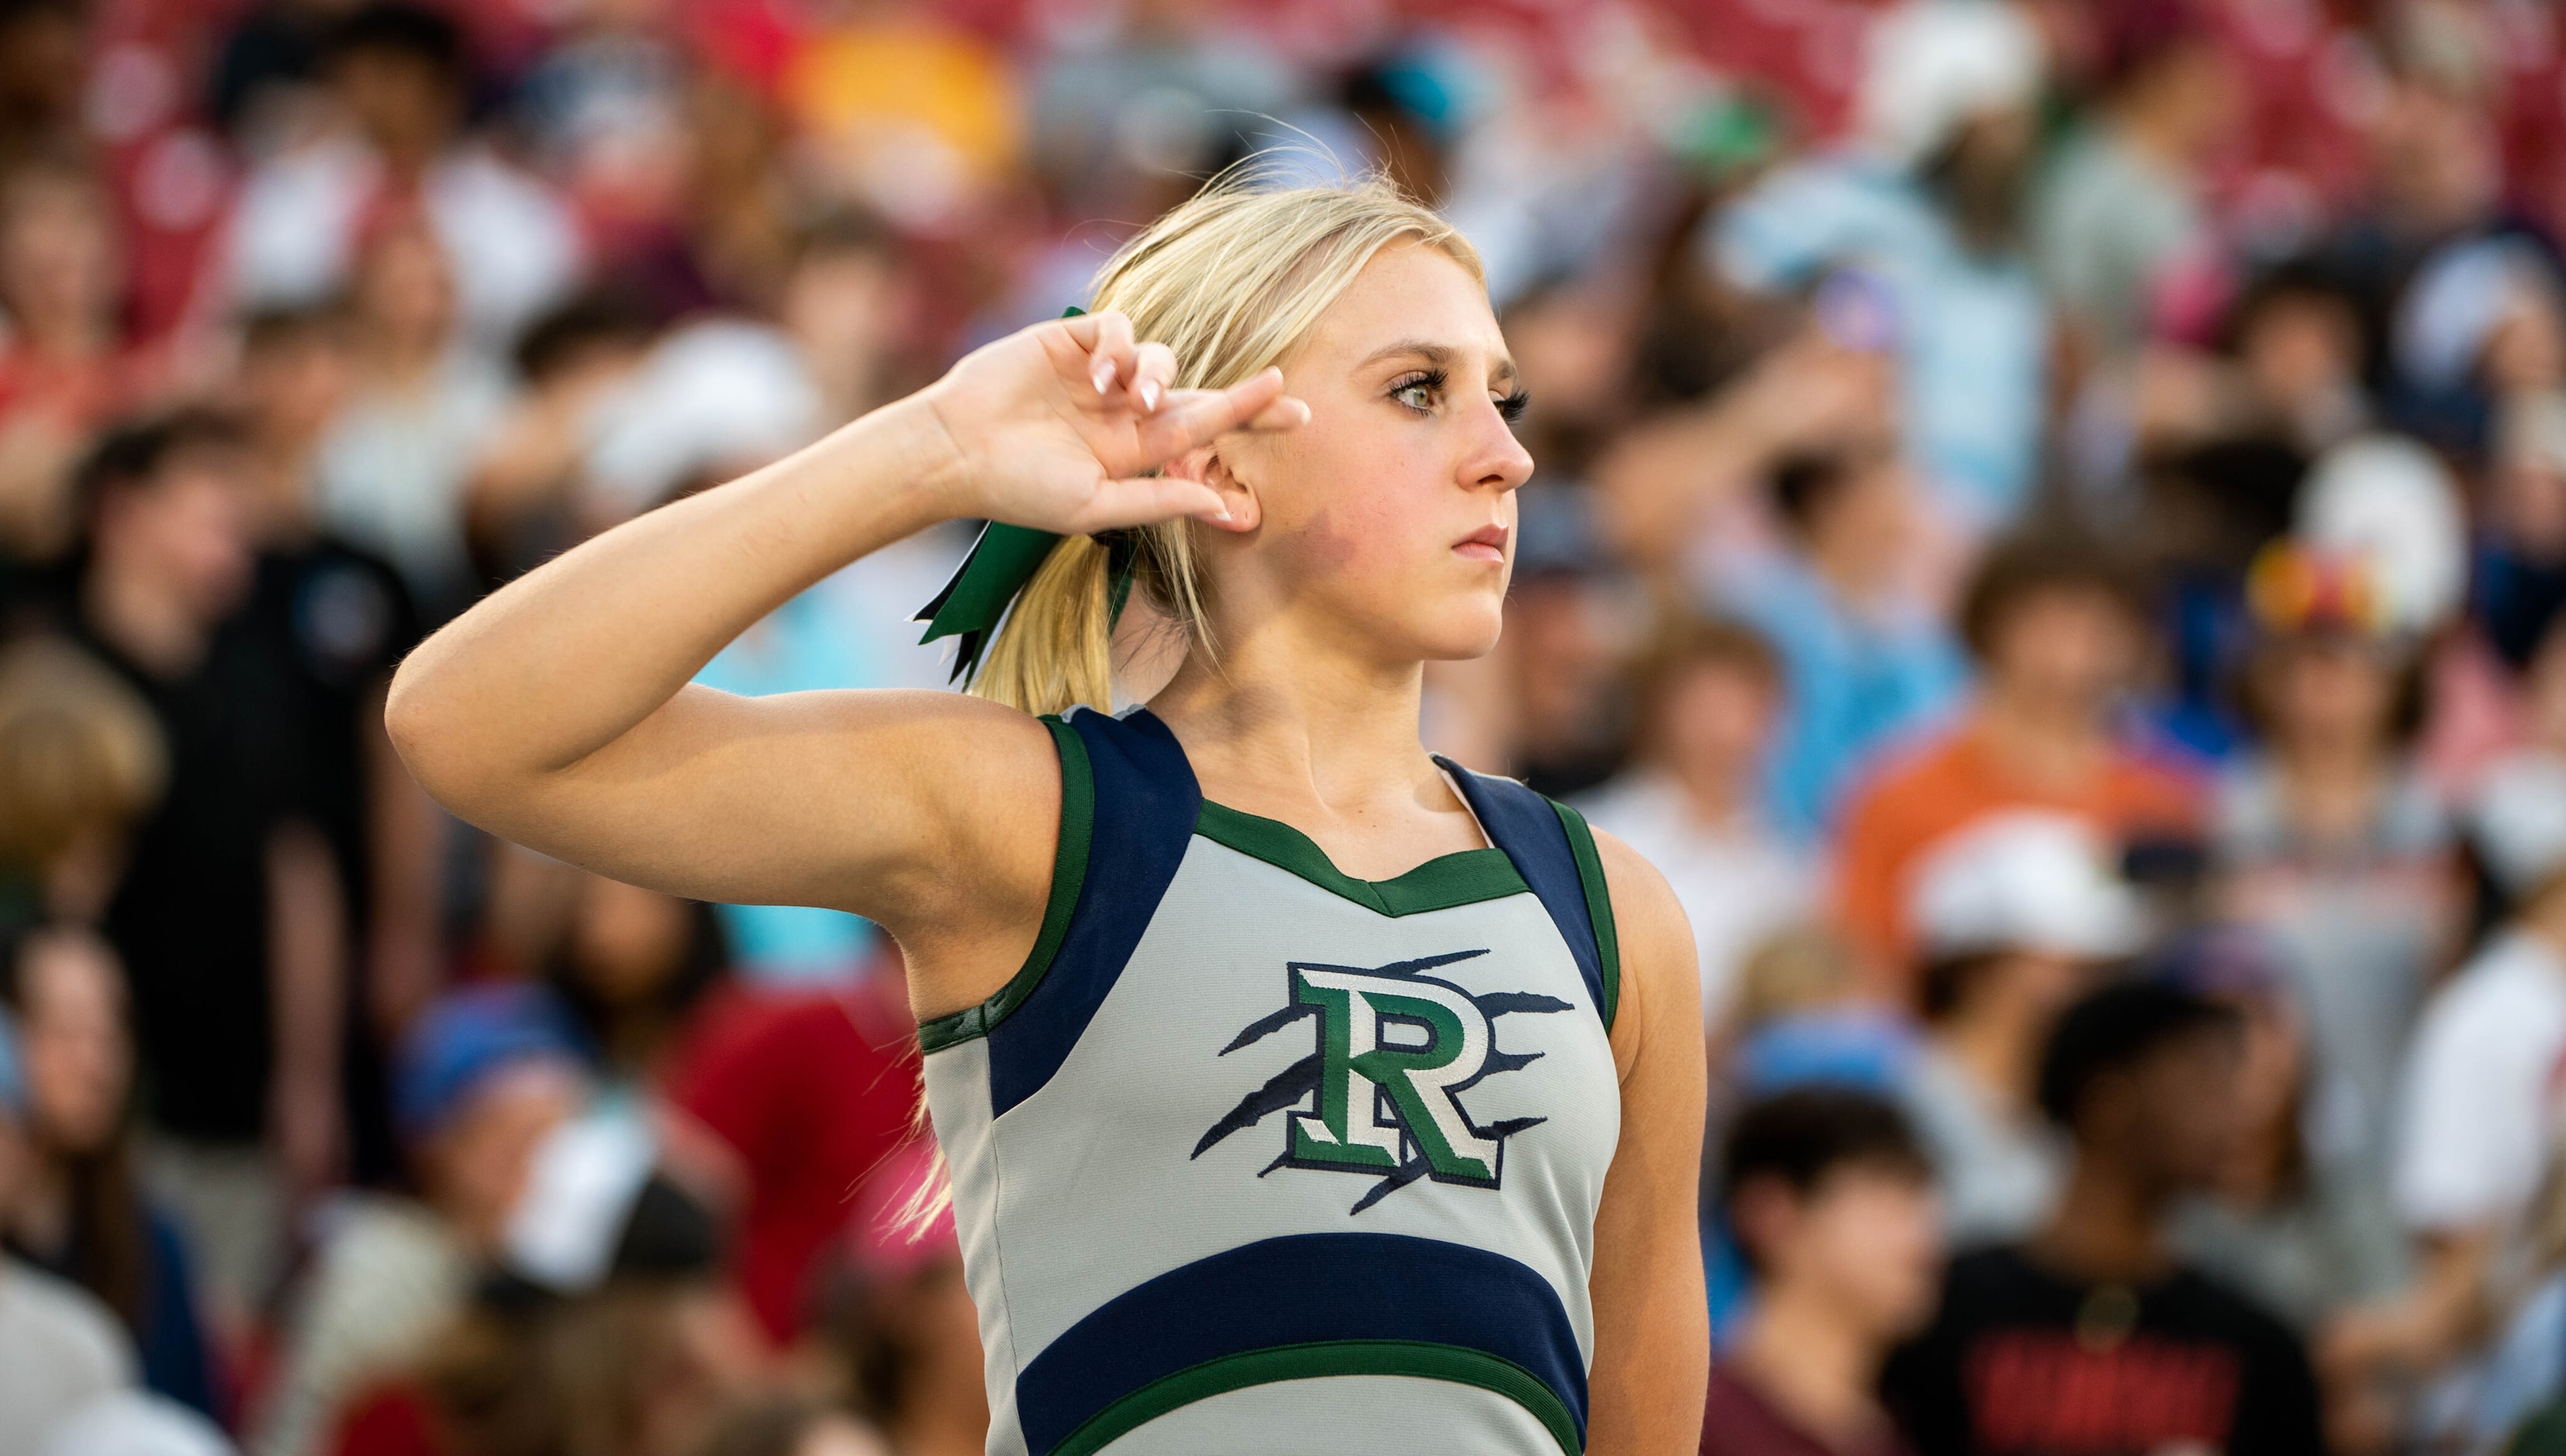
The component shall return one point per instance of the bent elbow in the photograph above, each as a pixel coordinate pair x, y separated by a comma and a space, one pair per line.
416, 723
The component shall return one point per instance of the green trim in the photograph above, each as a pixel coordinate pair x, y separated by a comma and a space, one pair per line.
1068, 875
1599, 904
1317, 1361
1465, 878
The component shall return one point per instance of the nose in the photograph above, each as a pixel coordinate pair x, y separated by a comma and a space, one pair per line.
1497, 460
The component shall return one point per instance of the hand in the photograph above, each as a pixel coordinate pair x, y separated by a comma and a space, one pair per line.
1812, 391
1053, 427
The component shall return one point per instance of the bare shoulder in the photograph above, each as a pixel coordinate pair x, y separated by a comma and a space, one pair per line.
1660, 986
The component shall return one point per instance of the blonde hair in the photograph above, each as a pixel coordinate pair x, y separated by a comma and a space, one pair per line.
1232, 280
80, 753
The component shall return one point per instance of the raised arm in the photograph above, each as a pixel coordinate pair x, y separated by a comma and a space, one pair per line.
1652, 1318
559, 712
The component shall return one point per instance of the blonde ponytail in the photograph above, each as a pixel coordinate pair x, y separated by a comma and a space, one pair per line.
1232, 280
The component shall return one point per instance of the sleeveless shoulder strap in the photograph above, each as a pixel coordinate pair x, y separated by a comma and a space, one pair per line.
1554, 851
1128, 806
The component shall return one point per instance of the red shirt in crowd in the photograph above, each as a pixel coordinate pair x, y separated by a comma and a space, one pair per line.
1739, 1421
812, 1090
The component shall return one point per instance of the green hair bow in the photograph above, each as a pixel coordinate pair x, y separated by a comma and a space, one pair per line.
987, 584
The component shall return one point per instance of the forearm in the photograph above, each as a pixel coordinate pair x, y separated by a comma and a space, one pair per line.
307, 954
407, 853
570, 656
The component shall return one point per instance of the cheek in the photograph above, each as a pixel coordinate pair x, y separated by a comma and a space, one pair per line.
1356, 500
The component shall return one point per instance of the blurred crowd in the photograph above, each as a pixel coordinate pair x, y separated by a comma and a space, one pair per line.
2050, 531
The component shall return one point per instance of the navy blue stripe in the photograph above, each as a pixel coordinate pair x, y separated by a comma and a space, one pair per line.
1146, 801
1525, 825
1294, 1291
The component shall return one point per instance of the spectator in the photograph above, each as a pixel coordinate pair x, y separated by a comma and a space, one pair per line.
60, 1350
2056, 630
1707, 699
2475, 1124
483, 1078
2092, 1336
633, 964
2296, 338
1927, 205
1865, 661
812, 1090
2015, 913
2298, 1222
230, 912
909, 1334
341, 617
1831, 1202
2121, 209
64, 368
393, 469
81, 763
523, 502
2330, 837
83, 1214
605, 1329
398, 73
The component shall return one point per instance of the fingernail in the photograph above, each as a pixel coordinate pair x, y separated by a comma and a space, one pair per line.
1149, 393
1103, 374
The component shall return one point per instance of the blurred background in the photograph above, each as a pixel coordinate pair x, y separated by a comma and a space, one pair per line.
2031, 496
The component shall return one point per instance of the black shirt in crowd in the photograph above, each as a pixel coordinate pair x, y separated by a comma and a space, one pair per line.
2023, 1363
190, 915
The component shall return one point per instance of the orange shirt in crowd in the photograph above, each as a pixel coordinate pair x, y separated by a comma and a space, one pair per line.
1950, 781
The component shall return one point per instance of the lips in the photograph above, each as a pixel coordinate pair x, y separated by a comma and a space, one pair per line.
1487, 544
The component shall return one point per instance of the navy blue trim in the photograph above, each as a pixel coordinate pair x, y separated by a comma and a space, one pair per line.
1146, 801
1299, 1290
1526, 827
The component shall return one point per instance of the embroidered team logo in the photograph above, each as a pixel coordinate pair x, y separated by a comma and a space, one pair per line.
1382, 1094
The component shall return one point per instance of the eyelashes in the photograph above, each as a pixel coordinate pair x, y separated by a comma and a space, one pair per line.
1432, 382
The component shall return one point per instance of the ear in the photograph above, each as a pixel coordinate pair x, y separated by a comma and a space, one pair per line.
1205, 464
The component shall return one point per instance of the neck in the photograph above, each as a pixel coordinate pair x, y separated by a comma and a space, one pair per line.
283, 508
1717, 793
1993, 1044
2038, 739
2108, 1228
1812, 1364
150, 626
1321, 731
1849, 569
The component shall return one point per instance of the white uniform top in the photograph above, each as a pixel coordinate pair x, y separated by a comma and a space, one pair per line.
1252, 1156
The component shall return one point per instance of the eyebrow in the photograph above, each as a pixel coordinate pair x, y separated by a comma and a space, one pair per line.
1439, 355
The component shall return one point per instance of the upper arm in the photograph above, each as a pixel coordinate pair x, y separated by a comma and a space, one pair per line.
1651, 1319
931, 813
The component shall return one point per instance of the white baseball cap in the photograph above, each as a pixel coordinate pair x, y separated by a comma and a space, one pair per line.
2025, 879
1931, 65
2519, 818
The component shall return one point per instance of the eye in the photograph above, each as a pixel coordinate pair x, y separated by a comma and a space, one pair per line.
1417, 392
1510, 408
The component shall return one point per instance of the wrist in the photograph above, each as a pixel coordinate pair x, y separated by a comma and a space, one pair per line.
929, 469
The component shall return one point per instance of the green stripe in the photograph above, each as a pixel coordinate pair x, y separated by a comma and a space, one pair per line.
1599, 904
1462, 879
1068, 874
1417, 1358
